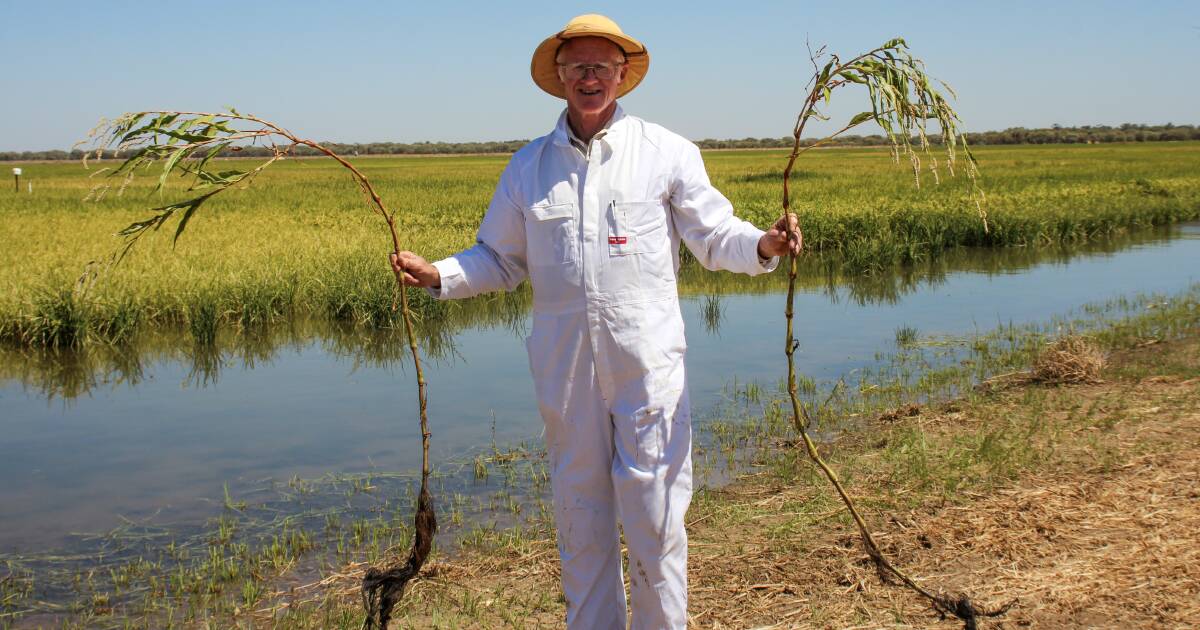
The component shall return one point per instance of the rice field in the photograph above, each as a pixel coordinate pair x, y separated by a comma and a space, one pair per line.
301, 241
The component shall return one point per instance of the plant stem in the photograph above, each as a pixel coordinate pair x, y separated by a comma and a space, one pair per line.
381, 588
960, 606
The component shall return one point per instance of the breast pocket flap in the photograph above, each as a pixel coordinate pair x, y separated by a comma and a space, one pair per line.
552, 211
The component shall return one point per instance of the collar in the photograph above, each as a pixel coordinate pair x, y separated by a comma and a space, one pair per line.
563, 134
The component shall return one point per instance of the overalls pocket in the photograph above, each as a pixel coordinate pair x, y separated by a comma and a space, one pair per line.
648, 431
637, 227
550, 234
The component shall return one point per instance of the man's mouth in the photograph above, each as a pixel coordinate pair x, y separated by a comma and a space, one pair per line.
586, 92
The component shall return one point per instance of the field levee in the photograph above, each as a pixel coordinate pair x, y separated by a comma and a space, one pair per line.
302, 241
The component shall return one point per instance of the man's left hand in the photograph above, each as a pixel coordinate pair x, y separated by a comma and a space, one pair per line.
782, 238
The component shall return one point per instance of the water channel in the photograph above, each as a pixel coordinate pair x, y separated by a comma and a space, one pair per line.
87, 448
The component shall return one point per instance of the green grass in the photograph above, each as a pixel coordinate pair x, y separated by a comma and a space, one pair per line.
302, 241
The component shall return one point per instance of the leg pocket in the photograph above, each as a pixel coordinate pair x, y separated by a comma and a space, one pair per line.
647, 437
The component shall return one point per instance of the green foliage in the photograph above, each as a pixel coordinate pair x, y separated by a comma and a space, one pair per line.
903, 100
298, 243
185, 143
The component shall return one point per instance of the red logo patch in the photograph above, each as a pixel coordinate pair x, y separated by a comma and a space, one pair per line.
618, 240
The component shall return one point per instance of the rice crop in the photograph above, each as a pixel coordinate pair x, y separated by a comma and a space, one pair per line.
299, 243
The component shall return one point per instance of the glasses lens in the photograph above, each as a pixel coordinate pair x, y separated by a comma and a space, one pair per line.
602, 71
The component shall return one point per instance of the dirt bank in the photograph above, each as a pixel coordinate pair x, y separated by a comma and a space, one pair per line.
1079, 502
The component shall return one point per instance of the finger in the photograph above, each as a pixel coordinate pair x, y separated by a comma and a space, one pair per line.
409, 260
409, 280
400, 261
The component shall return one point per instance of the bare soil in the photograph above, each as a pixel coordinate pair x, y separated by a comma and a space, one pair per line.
1099, 531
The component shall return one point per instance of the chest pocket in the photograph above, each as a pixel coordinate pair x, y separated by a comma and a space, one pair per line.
637, 227
550, 234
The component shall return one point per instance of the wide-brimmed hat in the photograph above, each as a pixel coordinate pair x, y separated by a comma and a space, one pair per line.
544, 66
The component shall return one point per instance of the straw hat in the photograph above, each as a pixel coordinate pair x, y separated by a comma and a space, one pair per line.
544, 66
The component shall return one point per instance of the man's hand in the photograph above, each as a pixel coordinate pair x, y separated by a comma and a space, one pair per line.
415, 271
783, 237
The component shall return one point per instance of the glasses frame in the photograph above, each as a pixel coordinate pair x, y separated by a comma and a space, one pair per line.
566, 69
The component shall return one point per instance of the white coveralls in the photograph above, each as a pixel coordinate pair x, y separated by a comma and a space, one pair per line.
597, 232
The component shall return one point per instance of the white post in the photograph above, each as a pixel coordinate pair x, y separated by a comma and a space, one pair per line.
16, 180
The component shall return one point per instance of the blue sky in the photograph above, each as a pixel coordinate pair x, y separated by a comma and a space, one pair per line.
406, 72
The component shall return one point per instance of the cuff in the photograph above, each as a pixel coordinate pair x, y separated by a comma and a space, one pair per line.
452, 279
751, 263
768, 264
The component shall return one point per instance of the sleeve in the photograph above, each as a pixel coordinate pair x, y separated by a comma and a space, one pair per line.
497, 261
705, 222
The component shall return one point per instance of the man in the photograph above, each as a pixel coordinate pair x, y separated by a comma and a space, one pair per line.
593, 215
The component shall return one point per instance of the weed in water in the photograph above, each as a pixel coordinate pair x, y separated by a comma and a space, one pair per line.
906, 336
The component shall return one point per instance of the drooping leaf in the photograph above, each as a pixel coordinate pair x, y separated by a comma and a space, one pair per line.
824, 76
193, 122
187, 137
852, 77
861, 118
198, 169
169, 165
189, 209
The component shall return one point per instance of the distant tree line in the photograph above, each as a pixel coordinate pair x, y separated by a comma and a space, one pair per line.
371, 148
1087, 134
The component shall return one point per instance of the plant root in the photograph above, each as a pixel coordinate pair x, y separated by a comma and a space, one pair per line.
960, 606
382, 588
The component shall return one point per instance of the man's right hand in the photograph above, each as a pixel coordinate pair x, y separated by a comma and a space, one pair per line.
415, 271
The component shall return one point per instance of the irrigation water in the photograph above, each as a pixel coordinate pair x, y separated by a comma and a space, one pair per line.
110, 459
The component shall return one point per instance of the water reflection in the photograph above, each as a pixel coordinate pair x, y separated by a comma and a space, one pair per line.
69, 374
65, 373
825, 272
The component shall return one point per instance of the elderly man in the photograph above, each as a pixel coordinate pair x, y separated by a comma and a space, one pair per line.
593, 215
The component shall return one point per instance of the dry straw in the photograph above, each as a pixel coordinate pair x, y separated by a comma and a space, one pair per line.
1071, 359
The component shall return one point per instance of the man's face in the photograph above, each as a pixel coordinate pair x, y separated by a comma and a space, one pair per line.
590, 94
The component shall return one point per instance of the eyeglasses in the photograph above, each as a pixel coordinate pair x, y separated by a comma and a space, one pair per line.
602, 71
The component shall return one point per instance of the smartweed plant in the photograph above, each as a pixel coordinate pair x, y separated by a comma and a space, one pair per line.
903, 101
184, 144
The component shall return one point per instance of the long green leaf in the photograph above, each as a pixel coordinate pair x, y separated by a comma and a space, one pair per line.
861, 118
190, 209
169, 165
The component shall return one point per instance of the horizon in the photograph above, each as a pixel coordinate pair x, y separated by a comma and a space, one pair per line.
716, 72
836, 144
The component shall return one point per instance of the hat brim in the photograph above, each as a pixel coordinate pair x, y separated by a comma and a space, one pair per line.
544, 66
